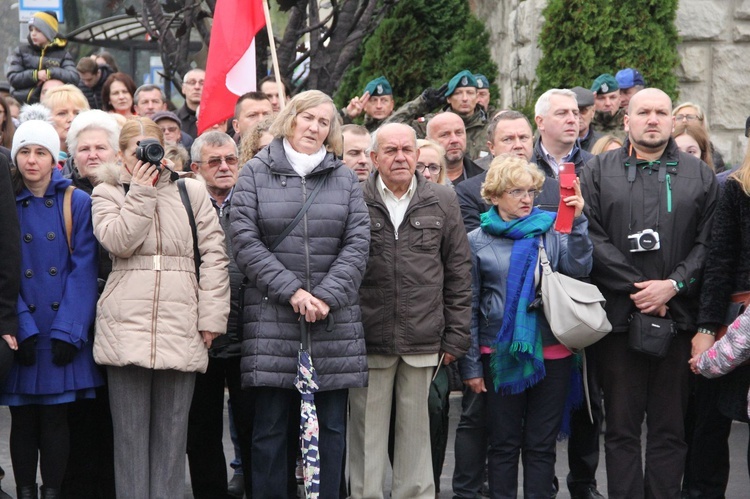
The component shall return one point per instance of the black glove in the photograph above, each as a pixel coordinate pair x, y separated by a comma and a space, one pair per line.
62, 352
26, 353
435, 97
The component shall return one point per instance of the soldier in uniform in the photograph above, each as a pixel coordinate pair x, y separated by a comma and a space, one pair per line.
376, 102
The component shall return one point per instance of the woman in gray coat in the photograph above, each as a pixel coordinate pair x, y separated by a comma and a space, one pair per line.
313, 274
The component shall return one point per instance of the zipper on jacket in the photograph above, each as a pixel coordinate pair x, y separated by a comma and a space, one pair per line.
669, 193
157, 283
307, 243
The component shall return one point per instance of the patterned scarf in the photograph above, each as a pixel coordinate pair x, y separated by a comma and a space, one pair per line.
517, 362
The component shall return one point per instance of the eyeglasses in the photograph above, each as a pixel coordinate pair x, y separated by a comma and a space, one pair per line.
216, 162
170, 129
434, 168
687, 117
522, 193
192, 83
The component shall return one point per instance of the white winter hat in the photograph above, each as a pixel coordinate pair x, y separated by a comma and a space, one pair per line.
36, 133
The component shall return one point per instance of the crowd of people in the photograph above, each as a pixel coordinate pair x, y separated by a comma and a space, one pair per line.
149, 269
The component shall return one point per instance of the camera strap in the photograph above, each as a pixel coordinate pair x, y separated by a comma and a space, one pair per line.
632, 165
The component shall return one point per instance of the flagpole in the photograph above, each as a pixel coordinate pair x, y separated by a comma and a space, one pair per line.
272, 42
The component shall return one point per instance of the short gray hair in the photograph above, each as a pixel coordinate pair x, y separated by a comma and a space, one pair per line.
93, 119
148, 87
543, 103
213, 138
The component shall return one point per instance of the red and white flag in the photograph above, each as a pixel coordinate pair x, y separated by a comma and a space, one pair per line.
230, 70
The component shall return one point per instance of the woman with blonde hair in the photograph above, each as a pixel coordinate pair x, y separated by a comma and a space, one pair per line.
689, 112
65, 103
258, 138
166, 299
606, 143
431, 163
525, 372
311, 275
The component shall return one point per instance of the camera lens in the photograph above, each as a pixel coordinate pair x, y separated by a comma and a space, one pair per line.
150, 151
647, 241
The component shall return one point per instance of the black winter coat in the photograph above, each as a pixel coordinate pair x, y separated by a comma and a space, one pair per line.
728, 260
684, 203
10, 249
28, 60
94, 94
326, 254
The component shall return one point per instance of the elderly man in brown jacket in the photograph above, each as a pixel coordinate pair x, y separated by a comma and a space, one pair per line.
416, 308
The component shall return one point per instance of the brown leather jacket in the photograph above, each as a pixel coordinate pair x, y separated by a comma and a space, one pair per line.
416, 294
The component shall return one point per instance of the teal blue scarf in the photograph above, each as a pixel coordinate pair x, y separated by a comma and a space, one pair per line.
517, 360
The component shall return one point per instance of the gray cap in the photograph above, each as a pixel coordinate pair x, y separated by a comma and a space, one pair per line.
169, 115
584, 96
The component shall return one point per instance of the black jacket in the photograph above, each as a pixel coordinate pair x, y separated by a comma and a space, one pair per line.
28, 60
580, 158
471, 169
472, 204
189, 121
94, 94
10, 248
728, 262
684, 203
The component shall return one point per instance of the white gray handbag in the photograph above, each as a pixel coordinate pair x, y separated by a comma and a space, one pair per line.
574, 309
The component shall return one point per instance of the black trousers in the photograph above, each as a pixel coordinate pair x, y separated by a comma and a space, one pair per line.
90, 473
39, 431
205, 448
638, 386
583, 444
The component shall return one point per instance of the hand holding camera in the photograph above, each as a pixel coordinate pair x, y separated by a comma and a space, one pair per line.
150, 154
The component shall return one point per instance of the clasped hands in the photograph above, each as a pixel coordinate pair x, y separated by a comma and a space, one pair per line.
313, 309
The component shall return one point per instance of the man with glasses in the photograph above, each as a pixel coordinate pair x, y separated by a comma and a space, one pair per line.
192, 89
170, 126
216, 160
448, 130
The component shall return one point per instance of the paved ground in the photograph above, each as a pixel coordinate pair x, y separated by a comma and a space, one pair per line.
738, 481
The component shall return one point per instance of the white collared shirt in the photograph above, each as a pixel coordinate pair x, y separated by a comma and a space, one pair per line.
553, 162
396, 206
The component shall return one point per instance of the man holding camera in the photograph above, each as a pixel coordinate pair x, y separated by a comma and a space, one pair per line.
649, 208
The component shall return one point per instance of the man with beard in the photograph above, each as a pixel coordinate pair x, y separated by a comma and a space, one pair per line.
647, 184
447, 129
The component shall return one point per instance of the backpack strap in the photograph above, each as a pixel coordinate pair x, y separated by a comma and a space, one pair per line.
191, 218
68, 215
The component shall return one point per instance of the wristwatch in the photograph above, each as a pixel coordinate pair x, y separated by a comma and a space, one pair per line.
675, 286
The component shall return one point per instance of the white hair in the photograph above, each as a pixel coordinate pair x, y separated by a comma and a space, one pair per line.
543, 103
93, 119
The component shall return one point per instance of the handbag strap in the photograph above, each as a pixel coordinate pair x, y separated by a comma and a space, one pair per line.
191, 218
289, 228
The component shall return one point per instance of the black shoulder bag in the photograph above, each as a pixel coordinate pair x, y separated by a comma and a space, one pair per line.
191, 218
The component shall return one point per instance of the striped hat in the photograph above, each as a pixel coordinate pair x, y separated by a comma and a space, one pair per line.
46, 22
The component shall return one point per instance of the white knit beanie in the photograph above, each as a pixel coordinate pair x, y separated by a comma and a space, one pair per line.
36, 133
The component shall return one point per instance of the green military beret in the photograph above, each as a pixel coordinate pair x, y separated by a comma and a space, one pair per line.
605, 84
482, 81
379, 86
462, 79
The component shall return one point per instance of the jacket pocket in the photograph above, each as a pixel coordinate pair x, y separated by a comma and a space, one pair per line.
377, 236
425, 234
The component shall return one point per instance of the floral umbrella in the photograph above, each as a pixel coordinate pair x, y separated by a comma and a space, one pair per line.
307, 384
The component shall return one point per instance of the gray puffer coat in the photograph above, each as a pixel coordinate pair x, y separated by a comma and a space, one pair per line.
326, 254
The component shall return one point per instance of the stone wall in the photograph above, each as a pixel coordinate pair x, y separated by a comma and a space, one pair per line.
714, 71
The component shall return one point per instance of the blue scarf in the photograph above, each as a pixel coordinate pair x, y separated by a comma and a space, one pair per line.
517, 360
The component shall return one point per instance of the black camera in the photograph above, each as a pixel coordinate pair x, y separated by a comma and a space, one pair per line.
645, 240
150, 151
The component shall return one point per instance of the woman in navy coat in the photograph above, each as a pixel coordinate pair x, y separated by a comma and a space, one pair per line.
54, 363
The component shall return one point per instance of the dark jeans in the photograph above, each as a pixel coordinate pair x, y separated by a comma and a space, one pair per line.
276, 441
471, 445
205, 449
583, 444
635, 386
526, 423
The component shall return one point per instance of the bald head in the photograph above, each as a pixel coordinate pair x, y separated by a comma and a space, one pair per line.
448, 130
649, 122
